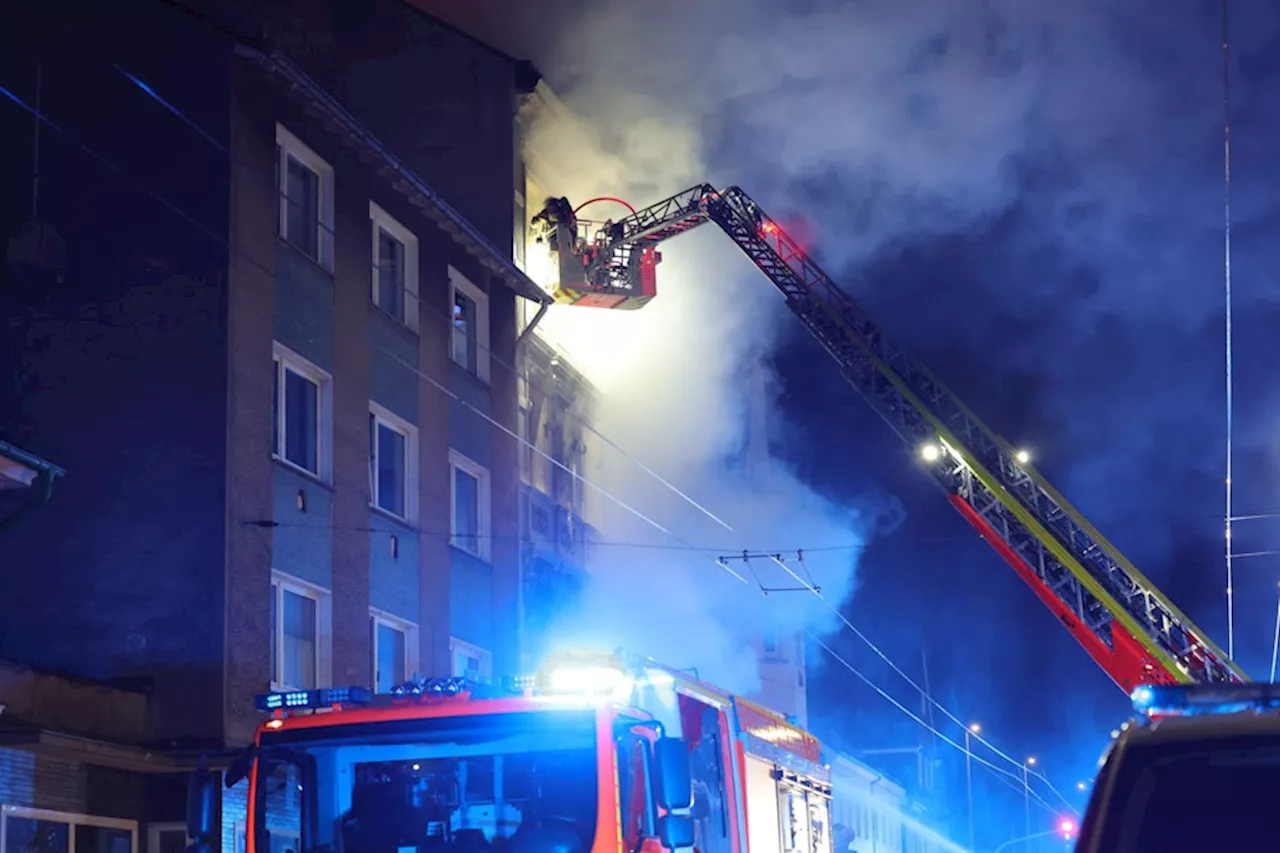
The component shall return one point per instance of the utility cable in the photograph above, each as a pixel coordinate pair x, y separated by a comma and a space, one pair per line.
719, 563
1226, 275
408, 527
977, 759
884, 657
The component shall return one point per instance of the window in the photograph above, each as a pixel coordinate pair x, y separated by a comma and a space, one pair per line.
470, 325
25, 829
299, 631
393, 464
469, 484
167, 838
520, 231
635, 793
395, 267
300, 414
305, 182
283, 837
524, 428
470, 662
394, 645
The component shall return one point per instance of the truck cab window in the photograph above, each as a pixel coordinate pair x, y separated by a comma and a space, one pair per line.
634, 790
282, 786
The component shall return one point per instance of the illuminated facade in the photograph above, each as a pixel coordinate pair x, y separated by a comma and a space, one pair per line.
559, 516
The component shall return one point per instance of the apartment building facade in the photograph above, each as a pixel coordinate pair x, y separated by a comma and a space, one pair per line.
278, 355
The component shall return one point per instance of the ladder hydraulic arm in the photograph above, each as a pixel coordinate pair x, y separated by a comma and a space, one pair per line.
1127, 625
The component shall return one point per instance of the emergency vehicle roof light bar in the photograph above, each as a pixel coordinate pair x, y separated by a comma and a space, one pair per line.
431, 687
1182, 700
301, 700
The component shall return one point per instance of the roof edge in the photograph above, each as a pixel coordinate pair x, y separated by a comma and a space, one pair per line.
324, 106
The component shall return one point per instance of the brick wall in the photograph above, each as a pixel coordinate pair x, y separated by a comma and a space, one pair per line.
38, 781
352, 263
250, 310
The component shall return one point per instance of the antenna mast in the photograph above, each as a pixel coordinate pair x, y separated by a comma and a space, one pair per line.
1226, 234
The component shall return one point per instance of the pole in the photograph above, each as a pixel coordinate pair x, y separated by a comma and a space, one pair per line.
968, 780
1226, 275
1275, 644
1026, 796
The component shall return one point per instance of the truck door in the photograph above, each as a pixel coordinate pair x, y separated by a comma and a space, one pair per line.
764, 833
637, 809
805, 817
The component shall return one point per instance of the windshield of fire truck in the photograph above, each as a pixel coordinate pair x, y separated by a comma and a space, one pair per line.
519, 782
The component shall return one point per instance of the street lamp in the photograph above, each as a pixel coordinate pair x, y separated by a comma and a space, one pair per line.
972, 729
1066, 828
1082, 786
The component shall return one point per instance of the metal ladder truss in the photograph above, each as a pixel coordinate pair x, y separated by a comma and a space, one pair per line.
1127, 625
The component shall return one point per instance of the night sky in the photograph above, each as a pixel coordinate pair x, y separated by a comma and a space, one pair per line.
1030, 199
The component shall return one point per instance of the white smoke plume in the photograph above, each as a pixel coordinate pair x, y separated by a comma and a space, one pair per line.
683, 388
885, 122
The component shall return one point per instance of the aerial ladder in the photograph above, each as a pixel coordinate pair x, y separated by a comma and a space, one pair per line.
1131, 629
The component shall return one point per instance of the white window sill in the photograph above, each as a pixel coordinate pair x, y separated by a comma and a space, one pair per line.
487, 560
402, 520
298, 469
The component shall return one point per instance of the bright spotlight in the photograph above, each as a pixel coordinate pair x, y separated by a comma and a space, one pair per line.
930, 453
975, 728
1023, 456
1067, 827
1031, 762
1080, 786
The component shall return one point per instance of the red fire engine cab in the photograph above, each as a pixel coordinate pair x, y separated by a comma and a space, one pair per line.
597, 754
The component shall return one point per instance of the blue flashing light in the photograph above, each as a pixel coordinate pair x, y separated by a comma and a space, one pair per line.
1183, 700
430, 687
301, 700
521, 683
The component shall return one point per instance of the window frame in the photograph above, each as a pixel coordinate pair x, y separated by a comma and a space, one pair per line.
71, 820
406, 627
627, 787
239, 836
484, 656
280, 583
289, 145
459, 283
382, 416
157, 829
284, 358
458, 462
380, 220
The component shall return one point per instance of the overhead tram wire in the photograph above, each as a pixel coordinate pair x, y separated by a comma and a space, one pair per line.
1230, 379
927, 695
977, 759
220, 240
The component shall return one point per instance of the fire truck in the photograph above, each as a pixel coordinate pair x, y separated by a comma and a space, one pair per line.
595, 754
